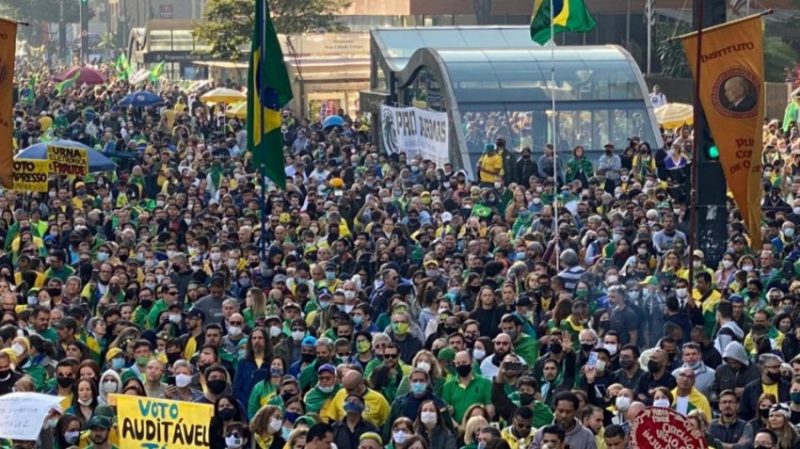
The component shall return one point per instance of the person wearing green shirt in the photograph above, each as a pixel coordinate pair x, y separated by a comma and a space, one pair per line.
58, 267
143, 309
324, 354
168, 297
467, 389
524, 345
319, 399
579, 167
525, 394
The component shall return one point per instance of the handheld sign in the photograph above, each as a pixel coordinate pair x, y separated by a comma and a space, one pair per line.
161, 423
68, 161
22, 414
664, 428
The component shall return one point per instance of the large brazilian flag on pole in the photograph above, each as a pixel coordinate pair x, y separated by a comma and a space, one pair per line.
268, 91
555, 16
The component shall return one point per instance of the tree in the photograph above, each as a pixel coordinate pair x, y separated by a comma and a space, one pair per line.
227, 24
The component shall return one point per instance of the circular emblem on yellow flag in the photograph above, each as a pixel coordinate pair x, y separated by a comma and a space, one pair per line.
735, 93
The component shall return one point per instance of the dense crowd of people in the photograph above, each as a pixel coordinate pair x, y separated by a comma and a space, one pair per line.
397, 304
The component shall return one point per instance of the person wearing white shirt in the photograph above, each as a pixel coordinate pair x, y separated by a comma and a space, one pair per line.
657, 98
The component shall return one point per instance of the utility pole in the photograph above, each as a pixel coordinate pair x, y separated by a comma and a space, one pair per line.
84, 18
62, 32
649, 16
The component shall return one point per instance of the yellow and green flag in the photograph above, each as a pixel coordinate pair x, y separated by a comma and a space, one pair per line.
123, 67
155, 72
268, 91
566, 15
67, 83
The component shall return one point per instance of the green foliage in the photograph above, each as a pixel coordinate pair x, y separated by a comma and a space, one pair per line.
777, 56
228, 24
670, 53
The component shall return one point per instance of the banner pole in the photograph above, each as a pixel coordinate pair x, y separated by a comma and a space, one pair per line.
698, 111
555, 131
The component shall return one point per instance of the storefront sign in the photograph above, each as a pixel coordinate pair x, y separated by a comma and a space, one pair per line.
415, 132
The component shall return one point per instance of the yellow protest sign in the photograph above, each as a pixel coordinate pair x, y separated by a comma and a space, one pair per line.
30, 175
68, 160
162, 423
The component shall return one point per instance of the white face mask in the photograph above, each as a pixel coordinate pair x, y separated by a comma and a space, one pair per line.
274, 331
349, 294
727, 264
399, 436
298, 335
424, 366
234, 331
428, 418
663, 403
18, 349
622, 403
274, 425
182, 380
611, 348
478, 354
681, 293
233, 442
109, 387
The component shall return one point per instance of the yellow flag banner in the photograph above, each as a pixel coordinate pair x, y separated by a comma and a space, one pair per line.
155, 423
68, 161
732, 95
30, 175
8, 45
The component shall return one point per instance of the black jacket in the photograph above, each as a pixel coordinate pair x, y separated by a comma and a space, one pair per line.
749, 401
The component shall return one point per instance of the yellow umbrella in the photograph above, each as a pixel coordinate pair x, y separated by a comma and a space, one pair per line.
674, 115
223, 95
239, 110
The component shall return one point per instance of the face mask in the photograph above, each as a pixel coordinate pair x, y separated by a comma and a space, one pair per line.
399, 436
234, 331
109, 387
428, 418
418, 388
400, 328
353, 407
330, 275
681, 293
182, 380
763, 412
663, 403
274, 425
215, 257
653, 366
424, 366
72, 436
217, 386
18, 349
244, 282
727, 264
324, 304
363, 346
65, 382
601, 366
349, 294
556, 348
326, 389
85, 402
774, 376
795, 397
626, 364
463, 370
622, 403
478, 354
748, 268
102, 256
117, 364
233, 442
298, 335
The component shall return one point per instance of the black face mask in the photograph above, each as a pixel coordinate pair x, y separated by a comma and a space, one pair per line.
463, 370
114, 289
65, 382
146, 303
216, 386
774, 376
286, 395
173, 357
763, 412
556, 348
653, 366
227, 414
308, 357
525, 399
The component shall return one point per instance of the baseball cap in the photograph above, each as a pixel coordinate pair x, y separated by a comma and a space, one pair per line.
196, 313
309, 341
326, 367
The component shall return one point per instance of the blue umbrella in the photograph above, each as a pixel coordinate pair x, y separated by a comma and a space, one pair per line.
141, 99
97, 161
332, 120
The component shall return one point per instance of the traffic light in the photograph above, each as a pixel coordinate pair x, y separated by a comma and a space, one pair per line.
712, 152
709, 152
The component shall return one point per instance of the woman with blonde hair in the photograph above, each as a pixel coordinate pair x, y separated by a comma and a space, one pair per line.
256, 303
471, 429
426, 361
297, 439
779, 422
266, 426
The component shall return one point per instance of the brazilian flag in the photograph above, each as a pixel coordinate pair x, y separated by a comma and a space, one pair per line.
268, 90
566, 15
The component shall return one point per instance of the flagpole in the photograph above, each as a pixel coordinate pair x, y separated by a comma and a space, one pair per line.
698, 111
553, 126
262, 82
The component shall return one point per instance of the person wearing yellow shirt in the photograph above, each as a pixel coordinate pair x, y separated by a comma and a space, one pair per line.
376, 408
519, 435
490, 166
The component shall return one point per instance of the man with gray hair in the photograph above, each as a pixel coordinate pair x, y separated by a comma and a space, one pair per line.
573, 271
770, 367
